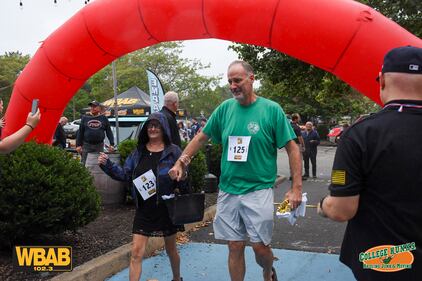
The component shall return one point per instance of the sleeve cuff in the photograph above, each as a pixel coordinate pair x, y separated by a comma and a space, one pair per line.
343, 193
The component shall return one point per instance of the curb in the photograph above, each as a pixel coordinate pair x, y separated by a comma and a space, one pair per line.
118, 259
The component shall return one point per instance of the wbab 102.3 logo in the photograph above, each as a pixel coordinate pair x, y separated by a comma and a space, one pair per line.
388, 258
42, 258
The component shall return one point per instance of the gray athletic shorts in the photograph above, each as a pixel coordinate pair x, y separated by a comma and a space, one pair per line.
240, 216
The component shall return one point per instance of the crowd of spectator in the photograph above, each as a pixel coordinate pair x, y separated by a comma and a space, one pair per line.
188, 129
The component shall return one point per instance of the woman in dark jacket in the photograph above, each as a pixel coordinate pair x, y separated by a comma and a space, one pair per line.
147, 168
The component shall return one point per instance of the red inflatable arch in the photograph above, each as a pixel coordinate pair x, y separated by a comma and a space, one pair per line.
343, 37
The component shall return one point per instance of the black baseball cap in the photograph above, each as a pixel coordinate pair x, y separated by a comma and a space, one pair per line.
403, 60
94, 103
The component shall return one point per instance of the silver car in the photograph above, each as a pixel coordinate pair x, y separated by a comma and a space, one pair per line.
71, 129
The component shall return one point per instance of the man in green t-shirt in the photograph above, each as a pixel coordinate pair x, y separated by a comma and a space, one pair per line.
250, 129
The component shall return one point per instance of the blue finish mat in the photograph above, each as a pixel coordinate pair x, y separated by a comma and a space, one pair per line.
208, 262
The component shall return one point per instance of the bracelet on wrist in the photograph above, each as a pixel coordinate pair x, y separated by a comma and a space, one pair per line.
30, 126
321, 213
185, 159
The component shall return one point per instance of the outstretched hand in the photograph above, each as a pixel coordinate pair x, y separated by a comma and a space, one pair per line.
102, 159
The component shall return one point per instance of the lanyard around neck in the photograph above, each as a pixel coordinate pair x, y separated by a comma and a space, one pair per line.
401, 106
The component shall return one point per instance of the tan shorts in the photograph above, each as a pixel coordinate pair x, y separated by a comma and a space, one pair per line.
247, 215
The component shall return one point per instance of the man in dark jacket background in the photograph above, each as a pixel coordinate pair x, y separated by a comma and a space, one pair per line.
311, 139
94, 126
171, 103
59, 138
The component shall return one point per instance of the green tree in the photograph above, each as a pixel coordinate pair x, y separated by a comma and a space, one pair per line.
80, 100
176, 73
303, 88
197, 93
205, 101
407, 13
11, 65
300, 87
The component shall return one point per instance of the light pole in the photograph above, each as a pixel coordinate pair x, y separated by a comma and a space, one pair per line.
116, 111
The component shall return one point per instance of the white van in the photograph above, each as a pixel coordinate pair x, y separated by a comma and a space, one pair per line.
129, 127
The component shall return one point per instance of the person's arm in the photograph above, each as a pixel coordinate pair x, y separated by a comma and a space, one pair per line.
347, 182
116, 171
110, 135
181, 186
175, 136
339, 208
314, 139
301, 142
179, 168
56, 136
80, 136
317, 138
10, 143
294, 195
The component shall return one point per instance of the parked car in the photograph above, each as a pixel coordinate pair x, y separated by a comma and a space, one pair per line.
129, 127
71, 129
334, 133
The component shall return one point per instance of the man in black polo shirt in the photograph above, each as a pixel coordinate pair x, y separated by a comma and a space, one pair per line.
91, 134
376, 182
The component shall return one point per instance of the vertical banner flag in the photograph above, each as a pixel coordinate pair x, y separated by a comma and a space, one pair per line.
156, 92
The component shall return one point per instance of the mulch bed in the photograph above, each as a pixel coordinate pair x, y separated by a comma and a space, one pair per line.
112, 229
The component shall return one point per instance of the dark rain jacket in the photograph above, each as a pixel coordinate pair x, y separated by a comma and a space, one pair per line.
174, 130
165, 185
311, 147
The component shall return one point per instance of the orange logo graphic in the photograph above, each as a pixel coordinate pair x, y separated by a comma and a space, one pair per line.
388, 258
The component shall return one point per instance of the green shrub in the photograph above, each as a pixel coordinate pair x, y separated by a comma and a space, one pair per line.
215, 161
323, 130
44, 191
125, 149
197, 170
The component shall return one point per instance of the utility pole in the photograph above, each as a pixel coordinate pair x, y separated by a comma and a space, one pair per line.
116, 111
73, 109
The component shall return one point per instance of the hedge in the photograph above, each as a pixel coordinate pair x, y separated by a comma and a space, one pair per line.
43, 190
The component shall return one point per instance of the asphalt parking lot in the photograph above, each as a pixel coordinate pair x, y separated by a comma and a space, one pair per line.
310, 233
306, 251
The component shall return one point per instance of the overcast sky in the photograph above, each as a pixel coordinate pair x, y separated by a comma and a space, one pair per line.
22, 29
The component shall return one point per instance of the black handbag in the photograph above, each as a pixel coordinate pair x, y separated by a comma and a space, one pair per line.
186, 208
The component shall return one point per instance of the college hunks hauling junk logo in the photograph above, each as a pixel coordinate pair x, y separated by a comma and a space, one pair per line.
388, 258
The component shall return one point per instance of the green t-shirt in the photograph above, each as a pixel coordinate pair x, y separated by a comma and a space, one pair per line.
266, 123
